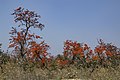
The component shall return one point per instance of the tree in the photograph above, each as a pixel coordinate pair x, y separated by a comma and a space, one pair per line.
0, 48
22, 40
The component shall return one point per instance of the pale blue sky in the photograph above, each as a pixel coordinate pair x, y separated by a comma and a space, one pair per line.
81, 20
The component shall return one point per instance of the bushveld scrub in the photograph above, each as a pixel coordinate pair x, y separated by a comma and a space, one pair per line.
30, 59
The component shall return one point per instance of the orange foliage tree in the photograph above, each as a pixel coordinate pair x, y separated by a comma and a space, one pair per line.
102, 53
23, 41
106, 52
75, 51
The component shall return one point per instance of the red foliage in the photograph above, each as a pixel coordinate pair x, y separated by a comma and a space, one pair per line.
75, 51
22, 41
25, 43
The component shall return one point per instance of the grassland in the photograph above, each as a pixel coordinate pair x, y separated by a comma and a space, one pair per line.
13, 70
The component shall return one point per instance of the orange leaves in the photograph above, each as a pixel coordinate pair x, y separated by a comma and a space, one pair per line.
38, 49
99, 49
62, 62
38, 37
11, 45
43, 60
28, 17
15, 40
108, 53
18, 8
74, 48
86, 47
82, 55
32, 43
26, 43
90, 52
95, 57
19, 36
22, 41
30, 36
88, 60
26, 12
65, 54
76, 51
80, 50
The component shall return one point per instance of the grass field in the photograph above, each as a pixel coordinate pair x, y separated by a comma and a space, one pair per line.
62, 67
15, 71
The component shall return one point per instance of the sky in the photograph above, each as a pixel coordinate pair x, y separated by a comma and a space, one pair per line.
84, 21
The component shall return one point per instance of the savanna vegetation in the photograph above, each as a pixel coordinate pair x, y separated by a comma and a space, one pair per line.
30, 59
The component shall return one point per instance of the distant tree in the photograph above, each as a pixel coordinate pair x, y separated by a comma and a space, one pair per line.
22, 40
0, 48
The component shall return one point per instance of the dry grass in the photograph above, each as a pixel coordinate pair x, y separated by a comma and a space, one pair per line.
14, 71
